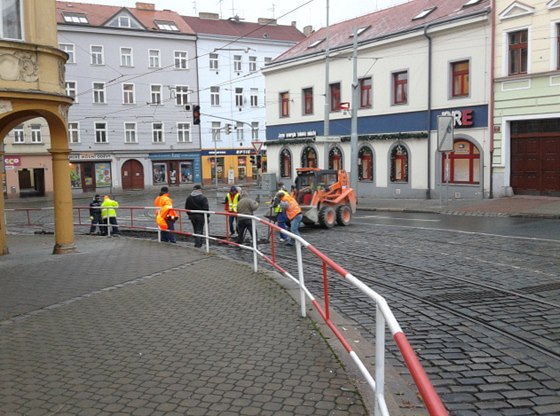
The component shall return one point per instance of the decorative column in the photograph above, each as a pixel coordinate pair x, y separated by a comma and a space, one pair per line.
3, 242
63, 214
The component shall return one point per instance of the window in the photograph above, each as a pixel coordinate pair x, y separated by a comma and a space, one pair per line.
36, 133
157, 132
74, 132
316, 43
239, 97
284, 104
252, 63
254, 97
99, 92
399, 164
100, 132
124, 21
366, 92
71, 88
400, 87
97, 55
255, 130
69, 49
126, 56
335, 96
214, 96
213, 61
19, 136
239, 131
11, 24
184, 133
167, 25
285, 163
335, 158
307, 101
154, 57
130, 133
460, 79
365, 164
267, 61
181, 60
128, 93
181, 94
424, 13
309, 158
216, 128
464, 163
78, 18
237, 63
518, 52
155, 94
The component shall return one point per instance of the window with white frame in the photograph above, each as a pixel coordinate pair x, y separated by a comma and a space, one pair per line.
255, 130
99, 92
70, 50
19, 136
252, 63
181, 94
36, 133
155, 94
216, 129
213, 61
181, 60
154, 57
157, 132
71, 88
267, 61
128, 93
75, 18
239, 131
97, 57
237, 63
130, 132
73, 132
518, 52
215, 96
100, 128
166, 25
124, 21
11, 19
126, 57
184, 133
254, 97
239, 97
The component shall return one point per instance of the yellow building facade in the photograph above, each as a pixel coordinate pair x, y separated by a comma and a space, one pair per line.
32, 85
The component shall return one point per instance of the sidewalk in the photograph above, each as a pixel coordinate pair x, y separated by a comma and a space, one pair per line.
136, 327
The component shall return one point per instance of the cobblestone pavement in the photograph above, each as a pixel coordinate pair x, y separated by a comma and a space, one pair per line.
133, 327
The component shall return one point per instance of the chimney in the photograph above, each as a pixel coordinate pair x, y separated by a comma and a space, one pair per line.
145, 6
206, 15
266, 21
308, 30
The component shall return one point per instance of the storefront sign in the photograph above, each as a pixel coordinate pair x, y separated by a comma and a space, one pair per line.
461, 118
297, 135
12, 161
173, 155
225, 152
90, 156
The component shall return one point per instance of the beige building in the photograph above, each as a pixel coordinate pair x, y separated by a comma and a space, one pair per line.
31, 86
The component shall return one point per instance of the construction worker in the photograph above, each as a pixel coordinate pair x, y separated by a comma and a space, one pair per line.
109, 216
293, 212
166, 215
95, 215
279, 213
231, 201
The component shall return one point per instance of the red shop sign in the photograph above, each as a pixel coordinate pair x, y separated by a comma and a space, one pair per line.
11, 160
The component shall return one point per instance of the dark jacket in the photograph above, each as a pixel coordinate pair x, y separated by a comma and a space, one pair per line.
197, 201
94, 208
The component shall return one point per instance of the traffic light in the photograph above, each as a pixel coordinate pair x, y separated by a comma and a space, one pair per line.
253, 159
196, 114
228, 128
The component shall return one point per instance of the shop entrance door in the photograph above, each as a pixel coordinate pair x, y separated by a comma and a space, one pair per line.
88, 177
132, 174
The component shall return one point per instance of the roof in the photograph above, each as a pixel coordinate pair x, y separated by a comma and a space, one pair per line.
386, 23
98, 15
240, 29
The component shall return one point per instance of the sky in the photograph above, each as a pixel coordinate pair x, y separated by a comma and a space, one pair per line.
303, 12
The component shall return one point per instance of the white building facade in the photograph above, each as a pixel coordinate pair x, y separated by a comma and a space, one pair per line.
413, 64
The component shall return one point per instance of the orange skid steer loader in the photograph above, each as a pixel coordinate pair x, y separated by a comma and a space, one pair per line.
325, 196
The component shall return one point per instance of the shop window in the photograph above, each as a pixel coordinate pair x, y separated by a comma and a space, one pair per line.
160, 173
186, 171
309, 157
75, 175
464, 164
399, 164
335, 158
365, 164
285, 163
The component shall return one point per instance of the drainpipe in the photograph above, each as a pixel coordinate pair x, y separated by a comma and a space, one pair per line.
491, 104
429, 110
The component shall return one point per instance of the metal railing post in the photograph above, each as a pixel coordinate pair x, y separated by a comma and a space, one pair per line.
206, 232
301, 280
380, 404
255, 245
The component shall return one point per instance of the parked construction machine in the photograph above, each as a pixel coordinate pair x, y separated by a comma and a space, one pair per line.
325, 196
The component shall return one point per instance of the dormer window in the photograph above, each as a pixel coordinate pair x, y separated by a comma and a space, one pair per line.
315, 43
360, 31
167, 26
78, 18
124, 21
424, 13
471, 3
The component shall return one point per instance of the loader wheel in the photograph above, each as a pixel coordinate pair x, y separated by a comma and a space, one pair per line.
327, 217
343, 215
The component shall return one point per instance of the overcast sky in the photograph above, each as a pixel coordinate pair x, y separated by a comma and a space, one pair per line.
303, 12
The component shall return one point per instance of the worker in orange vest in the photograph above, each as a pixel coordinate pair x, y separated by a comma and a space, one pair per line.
293, 212
166, 215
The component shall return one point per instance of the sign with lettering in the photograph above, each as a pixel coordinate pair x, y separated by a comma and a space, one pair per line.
461, 118
89, 156
12, 160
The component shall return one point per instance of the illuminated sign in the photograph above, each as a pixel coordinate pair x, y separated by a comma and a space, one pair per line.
11, 160
461, 118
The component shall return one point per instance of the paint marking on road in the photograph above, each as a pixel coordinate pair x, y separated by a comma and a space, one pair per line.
397, 218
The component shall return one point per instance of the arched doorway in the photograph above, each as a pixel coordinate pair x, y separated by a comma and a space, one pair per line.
132, 174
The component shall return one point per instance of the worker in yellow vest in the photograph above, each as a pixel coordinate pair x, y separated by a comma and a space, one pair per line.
231, 201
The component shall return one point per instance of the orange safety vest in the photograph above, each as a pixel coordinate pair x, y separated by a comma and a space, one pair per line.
293, 207
231, 205
166, 212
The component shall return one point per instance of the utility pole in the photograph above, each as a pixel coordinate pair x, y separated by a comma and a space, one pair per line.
326, 131
354, 112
